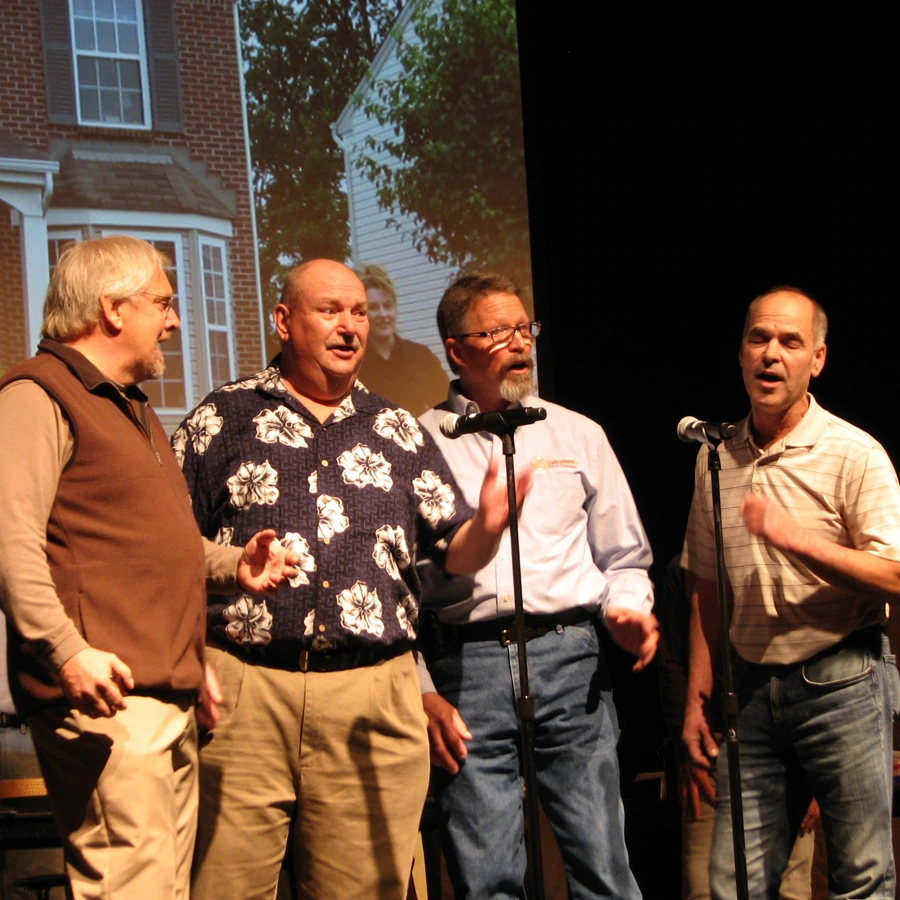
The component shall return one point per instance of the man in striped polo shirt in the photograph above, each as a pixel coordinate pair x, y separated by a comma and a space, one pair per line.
811, 526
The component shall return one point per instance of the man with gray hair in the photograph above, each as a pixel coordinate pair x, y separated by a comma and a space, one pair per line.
584, 566
103, 576
811, 524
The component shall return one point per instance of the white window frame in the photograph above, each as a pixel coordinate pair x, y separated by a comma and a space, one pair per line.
140, 58
209, 327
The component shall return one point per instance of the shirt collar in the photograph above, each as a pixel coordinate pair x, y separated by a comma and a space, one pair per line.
458, 402
804, 434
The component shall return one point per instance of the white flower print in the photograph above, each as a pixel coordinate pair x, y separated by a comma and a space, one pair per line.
361, 610
408, 615
332, 520
320, 642
399, 426
268, 380
362, 466
345, 410
249, 622
313, 481
179, 444
391, 551
437, 498
202, 426
308, 621
224, 536
253, 484
358, 385
298, 544
282, 426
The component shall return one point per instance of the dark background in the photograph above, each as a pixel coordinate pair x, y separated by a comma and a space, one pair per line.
680, 163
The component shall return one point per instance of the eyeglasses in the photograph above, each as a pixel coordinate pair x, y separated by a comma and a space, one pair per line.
528, 331
165, 303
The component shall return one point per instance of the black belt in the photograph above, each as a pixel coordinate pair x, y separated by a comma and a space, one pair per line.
349, 657
10, 720
504, 629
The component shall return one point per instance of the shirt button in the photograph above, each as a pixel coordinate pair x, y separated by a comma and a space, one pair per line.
326, 584
326, 540
506, 598
325, 463
321, 628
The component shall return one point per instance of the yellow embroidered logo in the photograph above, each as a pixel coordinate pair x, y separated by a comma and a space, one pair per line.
539, 462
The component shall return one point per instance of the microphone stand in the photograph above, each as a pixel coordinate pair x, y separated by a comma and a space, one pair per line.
729, 697
525, 706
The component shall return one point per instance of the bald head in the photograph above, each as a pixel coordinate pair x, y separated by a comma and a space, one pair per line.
820, 320
322, 322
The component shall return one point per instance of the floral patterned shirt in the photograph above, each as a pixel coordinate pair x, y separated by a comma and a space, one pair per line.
357, 497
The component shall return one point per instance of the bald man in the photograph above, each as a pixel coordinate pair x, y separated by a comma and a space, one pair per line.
322, 723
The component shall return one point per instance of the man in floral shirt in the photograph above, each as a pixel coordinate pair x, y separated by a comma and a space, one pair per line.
329, 732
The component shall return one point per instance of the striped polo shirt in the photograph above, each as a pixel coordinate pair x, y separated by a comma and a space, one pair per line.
834, 480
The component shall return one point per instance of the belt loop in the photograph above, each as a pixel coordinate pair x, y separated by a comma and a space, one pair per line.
304, 661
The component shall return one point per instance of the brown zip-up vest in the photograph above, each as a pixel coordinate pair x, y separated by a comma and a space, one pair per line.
123, 547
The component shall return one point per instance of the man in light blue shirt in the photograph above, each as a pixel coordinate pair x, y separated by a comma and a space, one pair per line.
584, 560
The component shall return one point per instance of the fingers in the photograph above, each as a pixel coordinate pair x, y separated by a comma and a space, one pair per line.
95, 682
447, 733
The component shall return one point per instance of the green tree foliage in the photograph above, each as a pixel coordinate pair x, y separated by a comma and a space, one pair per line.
303, 60
458, 160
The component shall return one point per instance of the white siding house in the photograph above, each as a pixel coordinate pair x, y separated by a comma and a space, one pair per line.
419, 282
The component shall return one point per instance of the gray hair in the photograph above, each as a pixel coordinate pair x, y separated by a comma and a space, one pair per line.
118, 267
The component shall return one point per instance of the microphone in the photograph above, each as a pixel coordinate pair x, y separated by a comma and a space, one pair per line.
691, 429
453, 426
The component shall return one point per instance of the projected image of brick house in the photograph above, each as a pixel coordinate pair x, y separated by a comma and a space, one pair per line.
127, 116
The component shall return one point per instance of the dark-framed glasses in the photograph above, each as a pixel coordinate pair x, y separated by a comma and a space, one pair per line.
528, 331
163, 301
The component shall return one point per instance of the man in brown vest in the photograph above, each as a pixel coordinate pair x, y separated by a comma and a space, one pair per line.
103, 576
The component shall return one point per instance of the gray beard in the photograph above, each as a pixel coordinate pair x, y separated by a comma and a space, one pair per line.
514, 387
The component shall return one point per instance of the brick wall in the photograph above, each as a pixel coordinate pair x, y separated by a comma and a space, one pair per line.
13, 339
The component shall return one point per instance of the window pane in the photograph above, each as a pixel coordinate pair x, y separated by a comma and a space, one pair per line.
125, 11
129, 75
108, 72
84, 34
90, 104
84, 8
104, 9
132, 111
128, 41
220, 369
110, 106
87, 72
106, 37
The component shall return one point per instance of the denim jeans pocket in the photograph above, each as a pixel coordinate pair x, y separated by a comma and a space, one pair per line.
893, 680
843, 667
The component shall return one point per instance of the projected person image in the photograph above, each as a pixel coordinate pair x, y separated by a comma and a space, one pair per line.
403, 371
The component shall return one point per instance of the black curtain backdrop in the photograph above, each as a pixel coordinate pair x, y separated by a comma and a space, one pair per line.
680, 163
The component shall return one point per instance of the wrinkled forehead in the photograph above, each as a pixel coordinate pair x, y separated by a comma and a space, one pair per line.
782, 311
321, 283
493, 310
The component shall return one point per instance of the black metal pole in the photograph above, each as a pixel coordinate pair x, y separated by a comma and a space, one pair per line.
729, 697
526, 701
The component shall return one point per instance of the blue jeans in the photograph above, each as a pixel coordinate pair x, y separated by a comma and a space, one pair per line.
576, 731
819, 729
